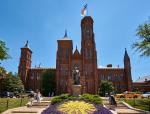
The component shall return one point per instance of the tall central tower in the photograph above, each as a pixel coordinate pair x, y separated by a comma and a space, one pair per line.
89, 56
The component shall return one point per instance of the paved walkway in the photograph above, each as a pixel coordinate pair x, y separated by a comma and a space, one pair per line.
122, 108
36, 108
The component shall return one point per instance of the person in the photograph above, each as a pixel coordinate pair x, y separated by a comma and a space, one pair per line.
31, 99
112, 102
38, 97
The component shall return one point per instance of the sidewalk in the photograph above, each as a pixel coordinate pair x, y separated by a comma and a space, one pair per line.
36, 108
122, 108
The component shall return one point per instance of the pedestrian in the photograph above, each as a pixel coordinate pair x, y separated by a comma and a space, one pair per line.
112, 102
31, 99
38, 96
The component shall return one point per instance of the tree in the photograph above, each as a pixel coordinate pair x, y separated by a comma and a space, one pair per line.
12, 83
3, 51
48, 82
106, 87
143, 43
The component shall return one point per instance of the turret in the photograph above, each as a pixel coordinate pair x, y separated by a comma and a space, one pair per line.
127, 69
25, 63
63, 64
89, 55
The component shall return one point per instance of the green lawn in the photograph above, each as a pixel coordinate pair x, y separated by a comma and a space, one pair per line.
12, 103
143, 104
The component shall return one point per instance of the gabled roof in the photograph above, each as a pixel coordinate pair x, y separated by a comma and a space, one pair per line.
76, 54
143, 79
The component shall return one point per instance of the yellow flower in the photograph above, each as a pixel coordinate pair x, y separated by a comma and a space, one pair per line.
77, 107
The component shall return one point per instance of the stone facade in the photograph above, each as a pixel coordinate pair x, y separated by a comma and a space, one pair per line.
85, 60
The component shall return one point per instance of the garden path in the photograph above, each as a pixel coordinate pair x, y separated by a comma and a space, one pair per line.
122, 108
36, 108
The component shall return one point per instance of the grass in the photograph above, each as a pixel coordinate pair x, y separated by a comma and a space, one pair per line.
139, 103
12, 103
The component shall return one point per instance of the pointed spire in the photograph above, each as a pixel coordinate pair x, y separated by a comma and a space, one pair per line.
126, 56
76, 47
126, 53
26, 45
65, 34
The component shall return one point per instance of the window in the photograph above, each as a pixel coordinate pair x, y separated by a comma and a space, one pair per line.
88, 53
109, 77
60, 51
121, 77
67, 52
102, 77
115, 77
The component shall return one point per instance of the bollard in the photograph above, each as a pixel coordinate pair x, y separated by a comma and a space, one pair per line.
149, 106
21, 102
7, 103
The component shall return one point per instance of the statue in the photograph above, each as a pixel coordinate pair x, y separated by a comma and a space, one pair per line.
76, 76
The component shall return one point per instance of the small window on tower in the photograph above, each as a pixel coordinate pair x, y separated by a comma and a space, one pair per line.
60, 52
67, 52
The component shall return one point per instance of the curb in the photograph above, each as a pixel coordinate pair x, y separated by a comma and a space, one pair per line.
129, 106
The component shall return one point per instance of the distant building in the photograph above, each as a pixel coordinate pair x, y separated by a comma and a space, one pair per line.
85, 59
142, 84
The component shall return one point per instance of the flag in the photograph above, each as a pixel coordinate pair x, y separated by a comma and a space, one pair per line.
84, 10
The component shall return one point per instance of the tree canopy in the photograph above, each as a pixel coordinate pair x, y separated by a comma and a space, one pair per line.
48, 82
3, 51
142, 45
106, 87
11, 83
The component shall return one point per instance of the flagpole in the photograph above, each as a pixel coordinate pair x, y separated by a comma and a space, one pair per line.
87, 6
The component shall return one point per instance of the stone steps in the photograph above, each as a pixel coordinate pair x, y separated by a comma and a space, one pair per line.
21, 111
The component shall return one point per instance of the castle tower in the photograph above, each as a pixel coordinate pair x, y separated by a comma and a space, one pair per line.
25, 63
127, 68
63, 65
89, 56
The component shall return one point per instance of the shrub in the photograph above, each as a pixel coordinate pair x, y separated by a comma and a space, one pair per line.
86, 97
91, 98
61, 98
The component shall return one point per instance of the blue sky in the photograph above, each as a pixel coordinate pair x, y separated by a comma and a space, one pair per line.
43, 22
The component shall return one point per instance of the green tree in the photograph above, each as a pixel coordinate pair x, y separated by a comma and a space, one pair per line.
12, 83
3, 51
48, 82
142, 45
106, 87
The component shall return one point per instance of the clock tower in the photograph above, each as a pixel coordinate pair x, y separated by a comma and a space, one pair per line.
89, 55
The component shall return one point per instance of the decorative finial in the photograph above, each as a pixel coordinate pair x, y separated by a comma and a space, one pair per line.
76, 46
39, 65
126, 50
65, 33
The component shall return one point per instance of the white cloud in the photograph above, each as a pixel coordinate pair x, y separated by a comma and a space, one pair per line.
101, 66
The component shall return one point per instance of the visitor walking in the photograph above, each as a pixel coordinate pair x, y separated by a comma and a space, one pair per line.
112, 102
31, 99
38, 97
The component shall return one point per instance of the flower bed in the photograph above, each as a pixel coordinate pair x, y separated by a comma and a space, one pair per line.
53, 109
85, 104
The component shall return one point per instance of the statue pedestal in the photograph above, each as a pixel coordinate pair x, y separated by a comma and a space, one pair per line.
76, 90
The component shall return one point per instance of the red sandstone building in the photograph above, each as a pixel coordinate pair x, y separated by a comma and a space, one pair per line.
85, 60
